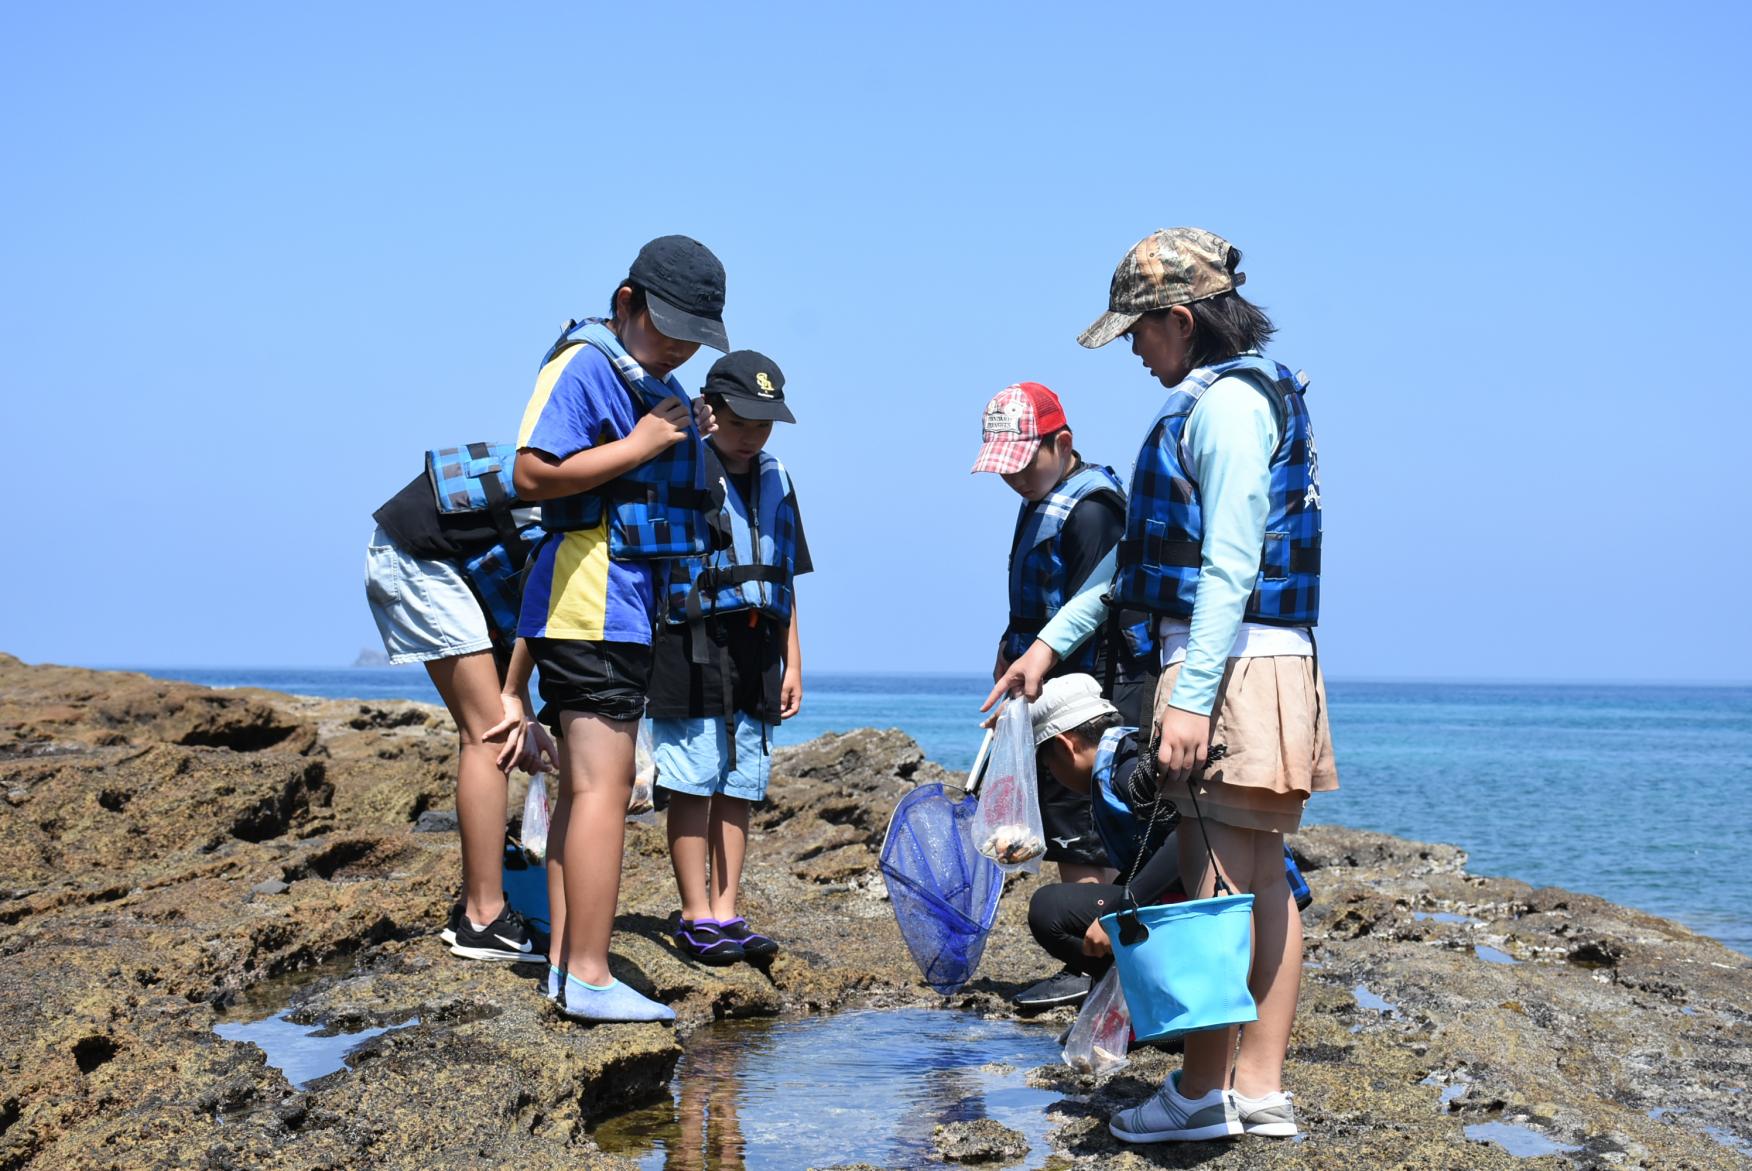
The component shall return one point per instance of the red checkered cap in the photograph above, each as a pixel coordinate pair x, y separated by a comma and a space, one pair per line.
1015, 420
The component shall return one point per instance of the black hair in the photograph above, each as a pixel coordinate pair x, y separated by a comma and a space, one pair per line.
1088, 733
638, 303
1050, 439
1091, 731
1225, 325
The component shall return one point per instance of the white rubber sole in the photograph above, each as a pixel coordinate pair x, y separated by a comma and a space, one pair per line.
1195, 1135
495, 955
1273, 1129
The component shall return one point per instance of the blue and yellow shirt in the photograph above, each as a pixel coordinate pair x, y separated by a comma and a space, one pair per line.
573, 589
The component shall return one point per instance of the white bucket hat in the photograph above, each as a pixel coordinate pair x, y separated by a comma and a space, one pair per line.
1067, 702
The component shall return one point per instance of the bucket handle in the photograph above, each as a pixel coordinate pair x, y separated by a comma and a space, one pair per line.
1131, 928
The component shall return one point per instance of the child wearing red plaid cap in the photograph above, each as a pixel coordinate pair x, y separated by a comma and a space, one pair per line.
1071, 518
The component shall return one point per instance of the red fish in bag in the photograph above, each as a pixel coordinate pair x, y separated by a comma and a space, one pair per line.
1007, 826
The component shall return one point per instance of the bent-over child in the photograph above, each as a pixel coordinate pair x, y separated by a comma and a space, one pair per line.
610, 446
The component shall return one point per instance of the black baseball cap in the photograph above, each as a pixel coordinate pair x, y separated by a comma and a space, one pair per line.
684, 290
752, 384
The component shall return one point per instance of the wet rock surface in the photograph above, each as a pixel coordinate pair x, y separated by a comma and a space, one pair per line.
173, 856
979, 1141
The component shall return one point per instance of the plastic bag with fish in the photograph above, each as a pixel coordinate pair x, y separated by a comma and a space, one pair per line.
1099, 1040
535, 818
1007, 827
644, 773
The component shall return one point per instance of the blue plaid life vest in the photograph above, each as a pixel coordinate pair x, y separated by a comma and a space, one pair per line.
1120, 830
476, 477
1161, 555
1038, 585
754, 570
657, 509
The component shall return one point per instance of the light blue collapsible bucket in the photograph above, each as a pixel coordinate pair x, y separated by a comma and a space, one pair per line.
1184, 969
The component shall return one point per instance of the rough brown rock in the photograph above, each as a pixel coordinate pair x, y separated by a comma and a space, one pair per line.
171, 854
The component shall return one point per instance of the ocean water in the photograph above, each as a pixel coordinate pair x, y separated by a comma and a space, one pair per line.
1639, 794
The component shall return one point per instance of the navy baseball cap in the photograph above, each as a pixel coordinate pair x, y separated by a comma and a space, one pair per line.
751, 384
684, 290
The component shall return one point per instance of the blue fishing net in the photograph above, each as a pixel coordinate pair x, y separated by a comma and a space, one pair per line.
944, 892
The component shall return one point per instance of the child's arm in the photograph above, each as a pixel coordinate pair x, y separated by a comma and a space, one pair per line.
518, 731
539, 476
791, 689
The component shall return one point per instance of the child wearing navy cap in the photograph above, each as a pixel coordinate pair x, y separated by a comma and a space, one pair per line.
728, 661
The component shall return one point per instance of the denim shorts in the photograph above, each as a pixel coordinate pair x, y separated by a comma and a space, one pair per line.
693, 756
424, 610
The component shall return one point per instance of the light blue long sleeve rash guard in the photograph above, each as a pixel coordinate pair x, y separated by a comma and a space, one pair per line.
1230, 437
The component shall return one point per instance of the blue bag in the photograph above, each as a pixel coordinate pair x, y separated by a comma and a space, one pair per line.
1184, 966
943, 890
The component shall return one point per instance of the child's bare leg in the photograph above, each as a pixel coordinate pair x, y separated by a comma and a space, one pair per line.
1277, 972
469, 686
1209, 1054
686, 823
599, 755
558, 818
729, 832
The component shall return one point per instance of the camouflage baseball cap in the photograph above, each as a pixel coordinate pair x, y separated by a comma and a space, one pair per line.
1170, 266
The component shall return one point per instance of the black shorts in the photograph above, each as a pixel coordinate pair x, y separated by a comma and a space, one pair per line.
607, 679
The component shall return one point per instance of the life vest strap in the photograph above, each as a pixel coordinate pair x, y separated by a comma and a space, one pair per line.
1190, 554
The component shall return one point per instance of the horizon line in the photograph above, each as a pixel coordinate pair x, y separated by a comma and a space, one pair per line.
1477, 680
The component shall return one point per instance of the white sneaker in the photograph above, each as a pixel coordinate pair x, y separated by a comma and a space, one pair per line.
1272, 1115
1167, 1116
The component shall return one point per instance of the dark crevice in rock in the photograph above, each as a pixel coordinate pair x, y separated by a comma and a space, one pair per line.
114, 800
91, 1052
9, 1112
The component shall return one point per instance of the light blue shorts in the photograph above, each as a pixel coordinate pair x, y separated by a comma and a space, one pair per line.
691, 756
424, 610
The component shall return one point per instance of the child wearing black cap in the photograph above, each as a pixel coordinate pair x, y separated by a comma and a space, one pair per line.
611, 448
728, 661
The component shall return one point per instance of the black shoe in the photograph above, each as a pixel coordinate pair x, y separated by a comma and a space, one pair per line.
1066, 988
754, 945
448, 935
506, 939
705, 941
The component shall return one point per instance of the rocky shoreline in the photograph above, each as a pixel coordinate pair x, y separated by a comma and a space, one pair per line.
173, 856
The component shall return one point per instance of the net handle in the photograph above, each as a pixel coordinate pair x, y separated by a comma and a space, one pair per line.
976, 774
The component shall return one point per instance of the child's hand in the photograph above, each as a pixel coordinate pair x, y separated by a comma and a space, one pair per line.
508, 731
1024, 676
663, 426
1186, 740
1095, 941
791, 694
704, 419
540, 754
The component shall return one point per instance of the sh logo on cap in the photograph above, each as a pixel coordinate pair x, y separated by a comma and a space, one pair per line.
763, 385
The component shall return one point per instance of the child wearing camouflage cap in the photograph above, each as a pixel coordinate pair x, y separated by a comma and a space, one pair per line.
1222, 545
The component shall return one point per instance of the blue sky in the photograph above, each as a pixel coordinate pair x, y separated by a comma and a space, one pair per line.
256, 260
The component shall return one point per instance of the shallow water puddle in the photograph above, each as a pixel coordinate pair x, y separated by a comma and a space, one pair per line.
1445, 917
300, 1051
854, 1087
1491, 955
1523, 1142
1372, 1002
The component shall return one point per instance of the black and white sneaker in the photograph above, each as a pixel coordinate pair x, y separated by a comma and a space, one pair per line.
448, 935
507, 939
1063, 988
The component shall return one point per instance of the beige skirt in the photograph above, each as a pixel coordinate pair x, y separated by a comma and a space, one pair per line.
1270, 716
